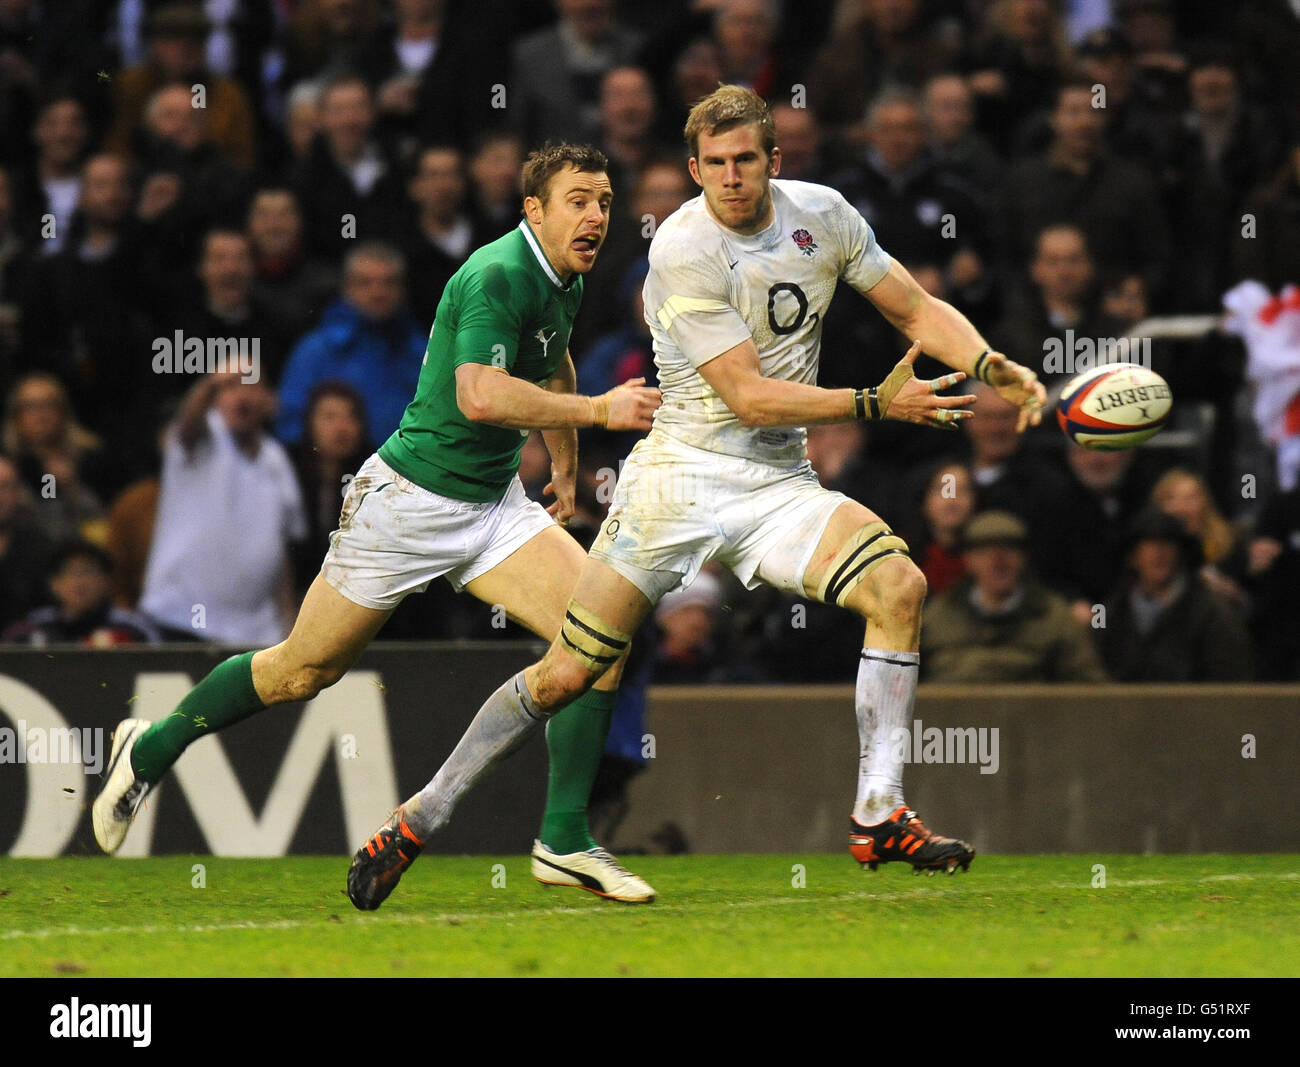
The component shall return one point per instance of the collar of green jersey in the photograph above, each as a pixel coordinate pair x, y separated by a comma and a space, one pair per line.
531, 238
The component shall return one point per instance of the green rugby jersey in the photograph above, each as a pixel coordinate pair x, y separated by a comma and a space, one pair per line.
505, 307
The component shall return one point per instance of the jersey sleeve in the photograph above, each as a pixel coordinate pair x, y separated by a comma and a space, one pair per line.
688, 298
865, 262
489, 319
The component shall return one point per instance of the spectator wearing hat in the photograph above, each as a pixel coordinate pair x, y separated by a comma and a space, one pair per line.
689, 652
178, 36
83, 613
998, 624
1163, 624
1140, 116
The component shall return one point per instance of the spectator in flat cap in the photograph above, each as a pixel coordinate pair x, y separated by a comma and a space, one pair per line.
1141, 115
1163, 624
998, 624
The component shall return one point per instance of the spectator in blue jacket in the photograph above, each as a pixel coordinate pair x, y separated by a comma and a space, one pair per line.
369, 340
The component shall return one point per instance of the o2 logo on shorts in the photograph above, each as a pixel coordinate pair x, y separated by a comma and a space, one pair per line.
611, 529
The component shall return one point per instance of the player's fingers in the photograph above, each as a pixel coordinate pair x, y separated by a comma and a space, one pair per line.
938, 385
549, 490
909, 357
954, 401
633, 382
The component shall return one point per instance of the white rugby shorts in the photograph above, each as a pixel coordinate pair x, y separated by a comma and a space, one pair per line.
676, 507
395, 537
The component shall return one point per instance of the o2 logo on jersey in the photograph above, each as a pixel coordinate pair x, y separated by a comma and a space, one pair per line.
789, 289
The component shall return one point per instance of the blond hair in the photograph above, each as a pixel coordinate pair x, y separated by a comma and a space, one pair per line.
74, 440
726, 107
1216, 533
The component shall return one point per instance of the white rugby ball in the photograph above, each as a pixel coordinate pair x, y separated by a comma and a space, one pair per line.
1114, 406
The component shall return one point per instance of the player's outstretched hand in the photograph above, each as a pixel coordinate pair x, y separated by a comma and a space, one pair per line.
1017, 385
630, 406
908, 398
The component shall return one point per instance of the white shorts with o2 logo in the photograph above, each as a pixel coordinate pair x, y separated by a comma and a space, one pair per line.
395, 537
676, 507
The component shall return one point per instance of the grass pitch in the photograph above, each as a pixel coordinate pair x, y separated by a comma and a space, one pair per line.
1194, 916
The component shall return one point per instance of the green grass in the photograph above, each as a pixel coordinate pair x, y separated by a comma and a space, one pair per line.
716, 915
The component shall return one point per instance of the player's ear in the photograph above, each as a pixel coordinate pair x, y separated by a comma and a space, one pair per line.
693, 165
533, 210
774, 162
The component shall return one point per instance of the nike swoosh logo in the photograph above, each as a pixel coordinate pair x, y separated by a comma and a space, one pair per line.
733, 263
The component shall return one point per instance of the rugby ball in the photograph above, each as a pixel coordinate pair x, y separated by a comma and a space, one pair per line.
1114, 406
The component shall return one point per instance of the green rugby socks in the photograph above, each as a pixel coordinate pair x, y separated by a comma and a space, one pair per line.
225, 697
575, 740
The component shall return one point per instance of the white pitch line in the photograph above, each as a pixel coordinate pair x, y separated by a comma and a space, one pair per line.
441, 918
1129, 883
597, 913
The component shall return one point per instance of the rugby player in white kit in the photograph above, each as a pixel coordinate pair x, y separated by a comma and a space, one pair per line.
740, 281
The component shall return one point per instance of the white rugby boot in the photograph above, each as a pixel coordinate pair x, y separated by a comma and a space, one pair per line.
594, 870
120, 798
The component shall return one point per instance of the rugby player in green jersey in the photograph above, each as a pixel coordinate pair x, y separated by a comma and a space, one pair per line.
442, 498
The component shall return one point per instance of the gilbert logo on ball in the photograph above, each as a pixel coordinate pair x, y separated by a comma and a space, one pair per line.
1114, 407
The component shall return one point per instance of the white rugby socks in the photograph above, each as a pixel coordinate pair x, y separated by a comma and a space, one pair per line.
502, 725
885, 699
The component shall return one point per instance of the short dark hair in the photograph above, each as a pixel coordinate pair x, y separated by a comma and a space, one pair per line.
334, 388
79, 549
1075, 83
223, 231
728, 106
544, 163
345, 77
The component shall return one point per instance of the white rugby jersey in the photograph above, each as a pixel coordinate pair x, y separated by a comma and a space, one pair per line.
709, 289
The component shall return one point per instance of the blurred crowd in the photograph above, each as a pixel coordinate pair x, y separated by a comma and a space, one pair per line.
287, 185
